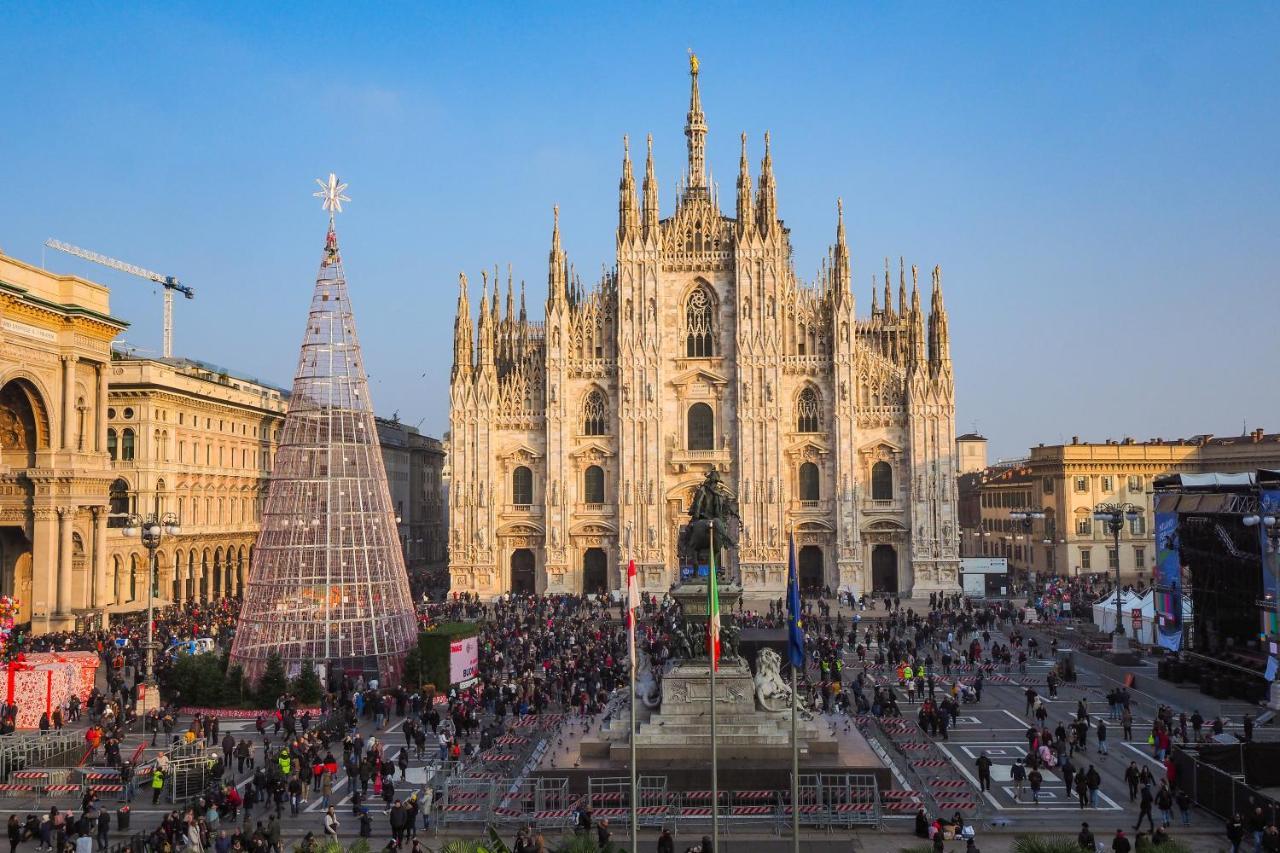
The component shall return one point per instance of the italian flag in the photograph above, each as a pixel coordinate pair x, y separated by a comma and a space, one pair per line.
713, 613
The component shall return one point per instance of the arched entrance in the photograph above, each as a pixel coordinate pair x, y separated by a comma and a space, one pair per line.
884, 569
812, 575
15, 568
595, 571
522, 576
24, 424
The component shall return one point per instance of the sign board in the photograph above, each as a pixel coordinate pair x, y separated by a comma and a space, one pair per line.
985, 565
1136, 617
982, 576
464, 661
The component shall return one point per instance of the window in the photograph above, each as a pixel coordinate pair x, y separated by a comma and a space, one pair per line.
1048, 558
1084, 525
126, 445
1082, 484
808, 412
1140, 557
1113, 559
810, 487
111, 444
118, 496
699, 316
1108, 484
522, 486
1138, 526
881, 482
593, 485
1135, 483
593, 414
160, 489
1086, 559
702, 431
1048, 485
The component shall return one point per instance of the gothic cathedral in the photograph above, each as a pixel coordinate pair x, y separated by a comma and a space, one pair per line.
577, 442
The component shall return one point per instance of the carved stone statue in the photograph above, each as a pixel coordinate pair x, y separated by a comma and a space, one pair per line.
772, 692
647, 689
729, 635
681, 645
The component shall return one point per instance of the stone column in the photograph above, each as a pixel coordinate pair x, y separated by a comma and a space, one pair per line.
125, 569
101, 421
68, 401
44, 568
98, 588
66, 515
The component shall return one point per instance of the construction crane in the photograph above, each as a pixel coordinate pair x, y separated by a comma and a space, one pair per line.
168, 282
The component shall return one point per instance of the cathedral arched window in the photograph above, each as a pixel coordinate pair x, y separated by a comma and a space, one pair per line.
700, 325
522, 486
808, 411
810, 487
593, 414
118, 496
593, 485
881, 482
702, 429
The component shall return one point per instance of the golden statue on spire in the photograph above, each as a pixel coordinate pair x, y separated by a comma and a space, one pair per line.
693, 62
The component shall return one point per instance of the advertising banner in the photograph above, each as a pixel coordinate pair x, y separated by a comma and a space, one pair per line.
1168, 582
1270, 505
464, 661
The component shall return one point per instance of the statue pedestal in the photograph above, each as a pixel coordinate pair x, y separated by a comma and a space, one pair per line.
695, 604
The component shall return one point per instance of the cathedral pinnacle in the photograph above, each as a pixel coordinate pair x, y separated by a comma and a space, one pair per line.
556, 263
628, 207
840, 257
902, 287
939, 338
650, 195
486, 326
696, 130
767, 198
746, 217
462, 329
888, 299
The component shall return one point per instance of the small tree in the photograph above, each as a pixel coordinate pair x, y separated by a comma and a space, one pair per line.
307, 685
273, 683
233, 686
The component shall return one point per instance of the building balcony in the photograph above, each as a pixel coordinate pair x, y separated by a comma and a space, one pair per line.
523, 510
874, 506
603, 510
683, 459
819, 507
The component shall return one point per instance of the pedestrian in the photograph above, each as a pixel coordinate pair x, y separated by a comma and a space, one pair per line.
331, 823
1131, 775
1102, 736
1019, 774
1164, 802
1120, 844
157, 785
1144, 809
667, 844
1183, 800
984, 772
1035, 779
104, 829
1235, 832
1084, 838
1093, 779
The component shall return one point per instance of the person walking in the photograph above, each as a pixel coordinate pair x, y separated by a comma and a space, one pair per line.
104, 830
1019, 774
1035, 780
157, 785
1183, 799
1164, 802
331, 823
1235, 832
1144, 809
1093, 779
1102, 736
1131, 775
984, 772
1084, 838
1120, 844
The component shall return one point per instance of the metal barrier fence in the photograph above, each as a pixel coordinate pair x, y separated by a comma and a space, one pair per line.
1215, 790
21, 751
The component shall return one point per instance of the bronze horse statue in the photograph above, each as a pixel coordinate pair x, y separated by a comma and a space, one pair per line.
709, 513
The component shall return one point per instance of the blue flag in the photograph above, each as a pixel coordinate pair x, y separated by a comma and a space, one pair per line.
795, 627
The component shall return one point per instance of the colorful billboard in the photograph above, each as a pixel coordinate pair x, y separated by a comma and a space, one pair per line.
1168, 582
464, 661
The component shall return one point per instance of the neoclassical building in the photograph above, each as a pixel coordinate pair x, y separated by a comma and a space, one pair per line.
198, 441
576, 442
55, 351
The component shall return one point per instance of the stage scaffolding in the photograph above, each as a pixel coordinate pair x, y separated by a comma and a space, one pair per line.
328, 583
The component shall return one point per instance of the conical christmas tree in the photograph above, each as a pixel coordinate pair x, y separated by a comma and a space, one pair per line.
328, 582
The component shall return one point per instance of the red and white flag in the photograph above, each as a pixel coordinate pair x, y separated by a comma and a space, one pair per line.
633, 605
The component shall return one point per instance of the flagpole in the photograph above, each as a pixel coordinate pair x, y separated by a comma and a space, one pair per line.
631, 633
711, 645
795, 742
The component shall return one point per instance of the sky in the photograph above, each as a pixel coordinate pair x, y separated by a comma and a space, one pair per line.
1099, 182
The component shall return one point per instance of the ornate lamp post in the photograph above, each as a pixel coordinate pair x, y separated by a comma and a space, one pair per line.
1023, 519
153, 528
1270, 534
1114, 516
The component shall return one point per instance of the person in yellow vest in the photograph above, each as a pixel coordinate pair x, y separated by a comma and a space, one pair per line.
157, 785
286, 764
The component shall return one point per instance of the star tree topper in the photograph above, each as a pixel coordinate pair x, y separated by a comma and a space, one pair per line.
332, 194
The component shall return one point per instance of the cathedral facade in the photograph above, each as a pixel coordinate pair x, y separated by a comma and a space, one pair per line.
577, 442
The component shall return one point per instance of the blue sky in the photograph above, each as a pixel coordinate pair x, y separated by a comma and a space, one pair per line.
1098, 181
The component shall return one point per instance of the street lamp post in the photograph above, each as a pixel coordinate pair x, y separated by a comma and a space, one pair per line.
153, 528
1270, 530
1114, 516
1024, 519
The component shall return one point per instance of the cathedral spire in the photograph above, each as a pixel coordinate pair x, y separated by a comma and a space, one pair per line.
746, 220
556, 264
462, 331
650, 195
695, 129
524, 315
875, 306
767, 198
840, 257
628, 207
888, 298
939, 337
486, 327
902, 287
917, 355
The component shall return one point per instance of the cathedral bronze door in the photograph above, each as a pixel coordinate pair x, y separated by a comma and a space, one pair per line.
812, 576
522, 575
595, 572
884, 569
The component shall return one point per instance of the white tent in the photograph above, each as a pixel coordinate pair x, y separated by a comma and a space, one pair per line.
1104, 614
